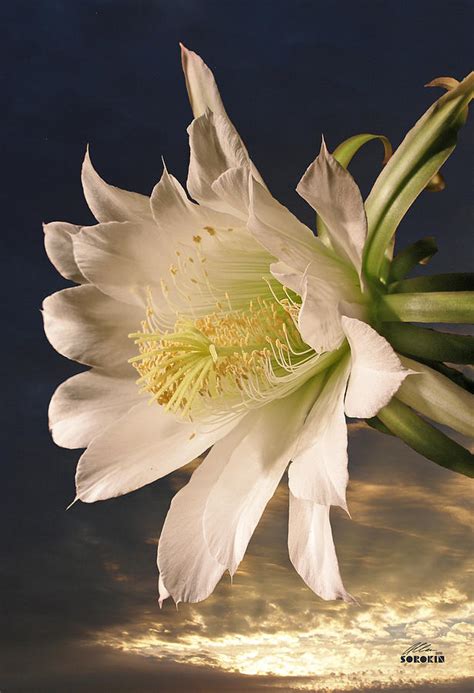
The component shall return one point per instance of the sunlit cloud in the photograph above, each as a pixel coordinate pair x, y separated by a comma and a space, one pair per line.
405, 553
316, 649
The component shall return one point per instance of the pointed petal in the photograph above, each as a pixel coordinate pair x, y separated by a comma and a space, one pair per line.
215, 143
252, 458
188, 572
289, 277
58, 244
319, 320
202, 243
319, 468
312, 551
200, 83
280, 232
86, 326
108, 203
215, 147
326, 295
87, 403
162, 591
306, 266
142, 446
123, 259
333, 193
376, 370
232, 188
179, 220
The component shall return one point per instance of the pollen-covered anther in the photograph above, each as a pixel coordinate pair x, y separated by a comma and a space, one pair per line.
235, 355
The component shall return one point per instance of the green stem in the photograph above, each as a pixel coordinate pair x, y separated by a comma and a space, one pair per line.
426, 439
436, 306
422, 342
458, 281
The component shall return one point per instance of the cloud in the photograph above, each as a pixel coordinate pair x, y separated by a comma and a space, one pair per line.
407, 539
92, 594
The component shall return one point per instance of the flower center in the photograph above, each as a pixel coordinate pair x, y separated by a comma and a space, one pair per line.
223, 361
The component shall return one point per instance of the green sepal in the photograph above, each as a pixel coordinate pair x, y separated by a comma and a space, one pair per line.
434, 306
419, 253
436, 184
457, 281
437, 397
344, 154
376, 424
453, 374
421, 154
425, 343
426, 439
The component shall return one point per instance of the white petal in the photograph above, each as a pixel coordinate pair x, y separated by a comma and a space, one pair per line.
319, 468
280, 232
163, 592
122, 259
108, 203
143, 445
319, 320
202, 242
232, 188
179, 220
376, 370
215, 143
289, 277
188, 572
252, 459
86, 326
58, 244
306, 266
333, 193
311, 549
215, 147
200, 83
87, 403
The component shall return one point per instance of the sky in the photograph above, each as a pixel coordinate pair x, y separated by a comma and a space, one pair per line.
79, 604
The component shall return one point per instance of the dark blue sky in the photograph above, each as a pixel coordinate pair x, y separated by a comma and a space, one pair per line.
108, 72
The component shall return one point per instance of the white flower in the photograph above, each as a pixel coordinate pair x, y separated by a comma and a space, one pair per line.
249, 334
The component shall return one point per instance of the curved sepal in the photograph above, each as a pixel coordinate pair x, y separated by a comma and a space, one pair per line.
344, 154
418, 253
437, 397
425, 439
428, 344
431, 306
421, 154
455, 281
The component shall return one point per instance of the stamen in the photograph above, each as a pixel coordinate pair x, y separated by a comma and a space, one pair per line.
222, 361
